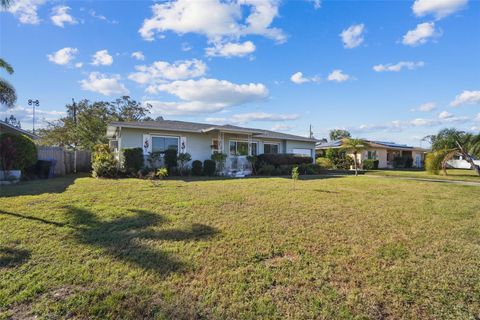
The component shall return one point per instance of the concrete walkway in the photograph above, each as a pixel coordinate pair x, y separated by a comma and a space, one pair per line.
463, 183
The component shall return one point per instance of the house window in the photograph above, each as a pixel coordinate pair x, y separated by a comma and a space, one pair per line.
254, 151
238, 148
372, 155
270, 148
160, 144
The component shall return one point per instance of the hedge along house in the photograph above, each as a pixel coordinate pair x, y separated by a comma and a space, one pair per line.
201, 140
384, 152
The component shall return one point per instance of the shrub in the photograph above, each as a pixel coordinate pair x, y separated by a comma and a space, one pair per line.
370, 164
25, 154
153, 159
209, 167
433, 161
282, 159
324, 163
103, 162
219, 159
197, 168
183, 159
309, 168
295, 174
339, 159
161, 173
7, 154
266, 170
408, 162
133, 160
170, 158
398, 162
285, 169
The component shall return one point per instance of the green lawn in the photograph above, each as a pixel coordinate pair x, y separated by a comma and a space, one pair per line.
272, 248
452, 174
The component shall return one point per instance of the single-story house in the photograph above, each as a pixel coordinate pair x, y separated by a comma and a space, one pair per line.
384, 152
201, 140
7, 127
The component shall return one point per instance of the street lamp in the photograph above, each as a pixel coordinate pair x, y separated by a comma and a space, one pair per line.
33, 103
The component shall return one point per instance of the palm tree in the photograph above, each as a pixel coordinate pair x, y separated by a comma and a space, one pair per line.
355, 146
448, 143
5, 4
8, 96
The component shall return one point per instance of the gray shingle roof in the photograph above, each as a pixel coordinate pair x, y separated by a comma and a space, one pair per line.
201, 127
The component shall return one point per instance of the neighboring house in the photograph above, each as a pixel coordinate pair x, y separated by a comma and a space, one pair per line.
384, 152
201, 140
6, 127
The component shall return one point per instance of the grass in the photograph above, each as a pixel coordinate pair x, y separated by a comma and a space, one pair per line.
339, 247
452, 174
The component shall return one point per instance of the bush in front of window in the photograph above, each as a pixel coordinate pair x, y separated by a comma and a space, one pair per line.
282, 159
370, 164
209, 167
197, 168
170, 159
324, 163
219, 159
133, 160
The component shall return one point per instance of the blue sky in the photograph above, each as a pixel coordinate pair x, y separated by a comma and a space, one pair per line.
392, 70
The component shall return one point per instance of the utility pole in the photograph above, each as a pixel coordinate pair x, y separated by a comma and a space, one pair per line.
311, 133
75, 146
33, 103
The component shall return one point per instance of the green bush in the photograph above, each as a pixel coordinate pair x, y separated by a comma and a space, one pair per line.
197, 168
25, 154
209, 167
408, 162
324, 163
133, 160
103, 162
183, 159
170, 159
285, 169
295, 173
339, 159
370, 164
282, 159
219, 159
433, 161
266, 170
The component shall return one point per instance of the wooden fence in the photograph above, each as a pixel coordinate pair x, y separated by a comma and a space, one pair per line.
65, 159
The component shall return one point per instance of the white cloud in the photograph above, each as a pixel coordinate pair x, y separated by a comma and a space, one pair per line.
104, 84
466, 97
101, 17
281, 127
445, 115
78, 64
230, 49
438, 8
299, 78
186, 46
159, 71
421, 34
338, 76
410, 65
214, 18
426, 107
25, 115
63, 56
317, 4
26, 10
353, 36
477, 118
244, 118
102, 58
60, 16
206, 96
138, 55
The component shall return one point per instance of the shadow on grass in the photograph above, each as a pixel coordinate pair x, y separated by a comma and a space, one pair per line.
23, 216
41, 186
12, 257
287, 177
122, 238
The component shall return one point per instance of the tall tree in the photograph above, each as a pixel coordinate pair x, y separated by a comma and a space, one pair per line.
86, 122
338, 134
450, 142
8, 95
355, 146
13, 121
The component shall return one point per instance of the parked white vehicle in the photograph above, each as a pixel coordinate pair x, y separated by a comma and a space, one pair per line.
460, 163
